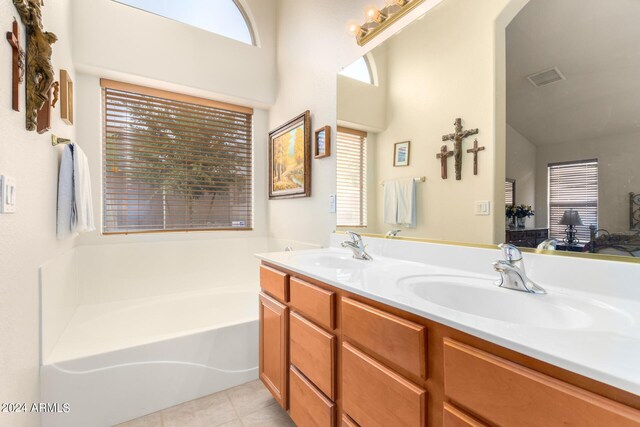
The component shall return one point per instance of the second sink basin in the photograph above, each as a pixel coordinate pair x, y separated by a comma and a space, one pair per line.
480, 297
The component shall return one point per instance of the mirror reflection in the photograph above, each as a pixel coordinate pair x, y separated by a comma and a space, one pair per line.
572, 137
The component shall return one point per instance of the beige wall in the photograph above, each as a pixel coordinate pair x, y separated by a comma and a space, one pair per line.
521, 166
28, 237
617, 175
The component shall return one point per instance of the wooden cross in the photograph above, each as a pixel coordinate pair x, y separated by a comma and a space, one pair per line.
443, 155
475, 151
13, 37
457, 138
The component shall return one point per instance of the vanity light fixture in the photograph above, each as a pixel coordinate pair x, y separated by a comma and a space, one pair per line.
379, 19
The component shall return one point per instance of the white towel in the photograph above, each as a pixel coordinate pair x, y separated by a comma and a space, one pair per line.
75, 203
400, 206
407, 211
390, 208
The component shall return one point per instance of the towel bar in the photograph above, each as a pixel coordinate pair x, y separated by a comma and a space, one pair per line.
55, 140
418, 179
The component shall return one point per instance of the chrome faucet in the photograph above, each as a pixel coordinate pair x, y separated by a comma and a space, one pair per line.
512, 272
392, 233
357, 246
549, 245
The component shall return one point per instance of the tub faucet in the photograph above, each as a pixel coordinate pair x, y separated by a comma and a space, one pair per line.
512, 272
392, 233
357, 246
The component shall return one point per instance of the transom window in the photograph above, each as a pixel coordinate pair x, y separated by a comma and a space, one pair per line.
174, 162
359, 70
224, 17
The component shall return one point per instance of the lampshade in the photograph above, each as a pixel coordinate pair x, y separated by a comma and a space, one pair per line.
571, 217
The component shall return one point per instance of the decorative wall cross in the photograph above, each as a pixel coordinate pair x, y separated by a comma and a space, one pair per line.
39, 71
443, 155
475, 151
13, 37
457, 138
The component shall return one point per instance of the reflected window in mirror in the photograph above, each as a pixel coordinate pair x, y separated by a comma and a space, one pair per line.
360, 70
510, 191
573, 186
351, 158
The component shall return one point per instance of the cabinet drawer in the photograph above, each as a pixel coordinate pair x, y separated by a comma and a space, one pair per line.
275, 283
316, 303
453, 417
348, 422
374, 395
313, 353
307, 406
505, 393
395, 339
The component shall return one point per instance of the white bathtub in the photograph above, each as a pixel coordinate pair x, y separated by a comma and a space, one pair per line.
113, 358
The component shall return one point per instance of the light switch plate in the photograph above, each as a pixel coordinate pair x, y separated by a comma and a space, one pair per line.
7, 194
332, 203
482, 207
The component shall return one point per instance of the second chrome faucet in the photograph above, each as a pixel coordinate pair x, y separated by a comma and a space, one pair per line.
512, 272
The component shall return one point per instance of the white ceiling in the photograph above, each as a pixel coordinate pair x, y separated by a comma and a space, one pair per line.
596, 45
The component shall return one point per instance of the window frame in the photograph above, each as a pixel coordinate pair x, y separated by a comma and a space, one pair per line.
163, 95
362, 202
583, 232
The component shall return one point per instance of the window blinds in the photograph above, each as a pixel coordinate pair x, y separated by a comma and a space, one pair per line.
174, 162
509, 192
573, 185
351, 158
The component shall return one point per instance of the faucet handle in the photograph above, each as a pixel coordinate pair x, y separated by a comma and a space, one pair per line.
355, 237
510, 252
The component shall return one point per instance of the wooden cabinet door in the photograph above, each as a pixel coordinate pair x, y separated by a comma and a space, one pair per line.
274, 336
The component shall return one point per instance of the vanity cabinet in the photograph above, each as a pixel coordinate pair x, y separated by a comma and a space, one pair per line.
273, 367
338, 358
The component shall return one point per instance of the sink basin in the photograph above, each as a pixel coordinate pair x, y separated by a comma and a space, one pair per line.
480, 297
335, 260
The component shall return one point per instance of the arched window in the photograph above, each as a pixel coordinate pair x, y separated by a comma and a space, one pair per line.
224, 17
360, 70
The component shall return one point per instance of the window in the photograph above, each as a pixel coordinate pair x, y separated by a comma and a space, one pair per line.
224, 17
573, 185
351, 158
174, 162
359, 70
510, 191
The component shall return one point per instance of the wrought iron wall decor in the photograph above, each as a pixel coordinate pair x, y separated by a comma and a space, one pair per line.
39, 71
634, 211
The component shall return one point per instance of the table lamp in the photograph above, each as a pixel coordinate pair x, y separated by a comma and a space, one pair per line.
571, 218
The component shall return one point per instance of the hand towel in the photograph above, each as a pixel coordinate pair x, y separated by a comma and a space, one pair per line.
406, 193
83, 220
75, 203
390, 200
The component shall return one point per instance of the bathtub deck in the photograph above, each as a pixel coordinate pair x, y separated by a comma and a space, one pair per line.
101, 328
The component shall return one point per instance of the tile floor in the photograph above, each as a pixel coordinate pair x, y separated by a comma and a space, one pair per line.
248, 405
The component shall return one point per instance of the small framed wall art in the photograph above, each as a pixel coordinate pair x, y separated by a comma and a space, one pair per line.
66, 97
290, 159
401, 153
322, 142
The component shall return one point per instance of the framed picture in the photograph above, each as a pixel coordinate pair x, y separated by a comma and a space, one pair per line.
66, 97
290, 159
322, 142
401, 153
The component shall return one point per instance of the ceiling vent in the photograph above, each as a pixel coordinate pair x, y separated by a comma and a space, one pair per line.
546, 77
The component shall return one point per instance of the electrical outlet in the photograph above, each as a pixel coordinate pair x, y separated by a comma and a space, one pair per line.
7, 194
482, 207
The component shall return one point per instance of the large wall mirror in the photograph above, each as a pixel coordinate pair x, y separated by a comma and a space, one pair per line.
572, 137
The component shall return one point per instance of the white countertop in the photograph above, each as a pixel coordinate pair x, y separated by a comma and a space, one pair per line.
601, 339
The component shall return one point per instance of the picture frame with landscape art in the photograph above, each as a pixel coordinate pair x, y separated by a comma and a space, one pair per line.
401, 153
290, 159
